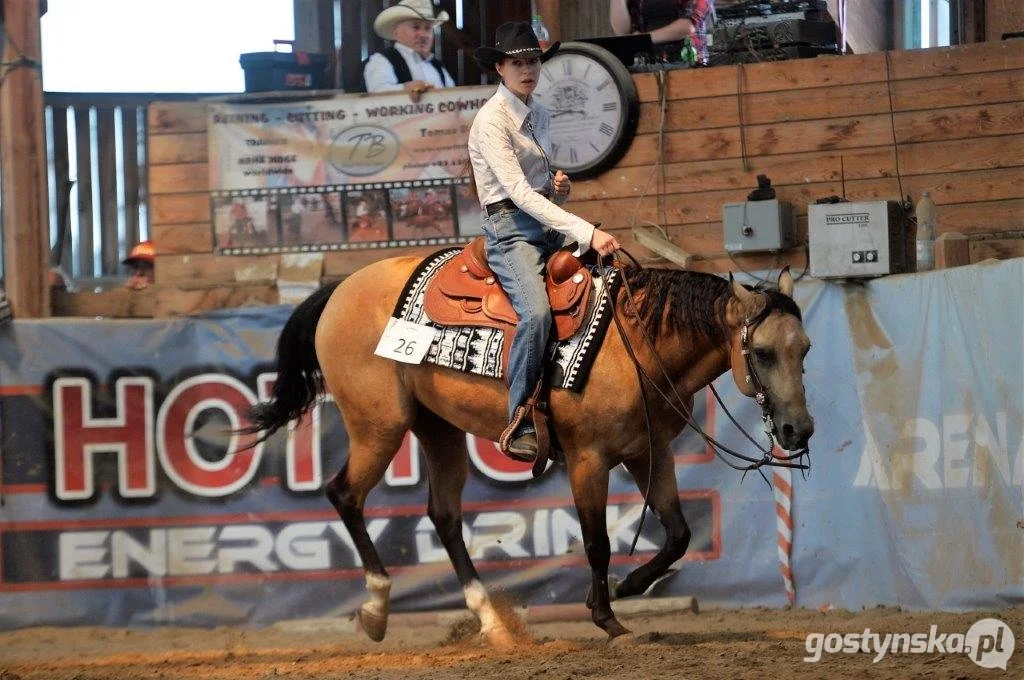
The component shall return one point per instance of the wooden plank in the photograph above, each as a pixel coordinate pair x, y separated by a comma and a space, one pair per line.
170, 302
820, 72
982, 217
999, 248
351, 45
167, 118
205, 270
179, 178
864, 163
61, 175
115, 304
963, 123
687, 83
179, 208
948, 91
183, 239
178, 148
841, 101
342, 264
130, 147
83, 154
107, 159
23, 150
944, 61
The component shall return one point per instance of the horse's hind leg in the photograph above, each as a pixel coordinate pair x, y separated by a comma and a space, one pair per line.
368, 459
447, 468
664, 499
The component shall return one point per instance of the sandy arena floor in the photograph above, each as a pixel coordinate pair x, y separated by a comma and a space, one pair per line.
731, 644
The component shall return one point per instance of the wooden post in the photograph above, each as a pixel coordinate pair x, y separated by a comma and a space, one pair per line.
551, 12
23, 143
952, 250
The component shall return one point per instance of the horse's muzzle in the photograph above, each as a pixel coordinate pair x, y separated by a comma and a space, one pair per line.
794, 434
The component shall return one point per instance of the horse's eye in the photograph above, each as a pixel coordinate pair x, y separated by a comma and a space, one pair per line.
764, 356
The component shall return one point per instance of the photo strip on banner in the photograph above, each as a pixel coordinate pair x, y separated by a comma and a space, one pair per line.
343, 173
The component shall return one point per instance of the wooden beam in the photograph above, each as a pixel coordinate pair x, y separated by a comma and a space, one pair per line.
23, 144
551, 12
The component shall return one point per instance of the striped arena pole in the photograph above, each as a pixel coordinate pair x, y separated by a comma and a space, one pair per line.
782, 483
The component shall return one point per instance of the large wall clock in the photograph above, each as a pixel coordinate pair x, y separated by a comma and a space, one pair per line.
593, 105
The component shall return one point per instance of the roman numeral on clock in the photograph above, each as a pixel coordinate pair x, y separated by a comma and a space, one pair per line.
606, 129
609, 106
573, 158
567, 67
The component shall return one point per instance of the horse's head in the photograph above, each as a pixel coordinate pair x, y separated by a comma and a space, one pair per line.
767, 349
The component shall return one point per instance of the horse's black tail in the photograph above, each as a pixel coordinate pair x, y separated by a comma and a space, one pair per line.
299, 380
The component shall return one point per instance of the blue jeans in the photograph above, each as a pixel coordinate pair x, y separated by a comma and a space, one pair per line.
517, 250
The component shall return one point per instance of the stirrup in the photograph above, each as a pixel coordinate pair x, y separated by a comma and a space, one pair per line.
507, 439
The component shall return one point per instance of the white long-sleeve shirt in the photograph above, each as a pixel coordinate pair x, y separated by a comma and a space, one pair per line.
511, 161
380, 76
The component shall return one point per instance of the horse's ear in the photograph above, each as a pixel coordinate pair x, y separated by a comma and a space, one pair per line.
786, 282
745, 296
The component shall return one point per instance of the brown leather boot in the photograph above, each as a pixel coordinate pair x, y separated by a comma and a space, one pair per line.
523, 448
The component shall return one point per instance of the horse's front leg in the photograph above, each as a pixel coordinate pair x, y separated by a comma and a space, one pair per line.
588, 478
664, 499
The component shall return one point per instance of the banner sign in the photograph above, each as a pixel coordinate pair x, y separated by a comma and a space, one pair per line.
371, 171
125, 499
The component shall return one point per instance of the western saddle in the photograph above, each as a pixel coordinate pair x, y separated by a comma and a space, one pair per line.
465, 292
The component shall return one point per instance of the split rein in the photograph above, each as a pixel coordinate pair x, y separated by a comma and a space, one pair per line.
678, 404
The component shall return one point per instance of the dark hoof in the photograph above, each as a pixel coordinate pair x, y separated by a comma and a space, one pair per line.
374, 625
614, 628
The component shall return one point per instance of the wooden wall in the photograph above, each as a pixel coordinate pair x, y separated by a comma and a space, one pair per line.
958, 120
1003, 16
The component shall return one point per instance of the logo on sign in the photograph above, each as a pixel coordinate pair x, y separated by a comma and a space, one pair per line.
363, 150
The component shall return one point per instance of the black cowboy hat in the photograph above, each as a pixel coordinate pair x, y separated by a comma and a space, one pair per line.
514, 39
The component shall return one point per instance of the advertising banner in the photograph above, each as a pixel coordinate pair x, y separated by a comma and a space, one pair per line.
343, 172
126, 500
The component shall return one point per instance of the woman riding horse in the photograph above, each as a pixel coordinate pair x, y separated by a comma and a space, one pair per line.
684, 328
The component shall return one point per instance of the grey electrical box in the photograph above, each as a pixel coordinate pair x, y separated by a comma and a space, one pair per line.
858, 240
754, 226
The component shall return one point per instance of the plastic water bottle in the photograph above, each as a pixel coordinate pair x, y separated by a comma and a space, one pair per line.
926, 217
688, 54
541, 31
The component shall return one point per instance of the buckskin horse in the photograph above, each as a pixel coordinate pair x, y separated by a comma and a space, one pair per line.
684, 328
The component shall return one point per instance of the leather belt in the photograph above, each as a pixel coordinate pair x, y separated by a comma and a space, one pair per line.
505, 205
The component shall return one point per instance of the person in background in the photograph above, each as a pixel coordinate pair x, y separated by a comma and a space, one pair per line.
509, 147
140, 263
409, 64
670, 23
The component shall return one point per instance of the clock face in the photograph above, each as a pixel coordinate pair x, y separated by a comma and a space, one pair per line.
593, 105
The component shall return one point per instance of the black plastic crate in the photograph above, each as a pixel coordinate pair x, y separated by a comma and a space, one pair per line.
275, 71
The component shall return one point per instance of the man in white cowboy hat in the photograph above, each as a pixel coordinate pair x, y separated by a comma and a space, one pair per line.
409, 64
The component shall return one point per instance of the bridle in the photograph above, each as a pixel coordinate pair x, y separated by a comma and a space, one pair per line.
678, 404
761, 395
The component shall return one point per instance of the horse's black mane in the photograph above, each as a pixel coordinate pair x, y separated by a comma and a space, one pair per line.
684, 301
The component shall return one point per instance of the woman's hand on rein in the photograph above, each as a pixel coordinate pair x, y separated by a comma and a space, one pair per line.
561, 183
604, 243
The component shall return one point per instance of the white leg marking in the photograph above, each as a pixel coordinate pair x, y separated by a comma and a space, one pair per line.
380, 595
479, 602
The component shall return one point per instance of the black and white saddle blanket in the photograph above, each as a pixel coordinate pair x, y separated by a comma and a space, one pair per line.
477, 350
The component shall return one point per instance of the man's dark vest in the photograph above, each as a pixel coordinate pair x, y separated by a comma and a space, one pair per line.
401, 68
